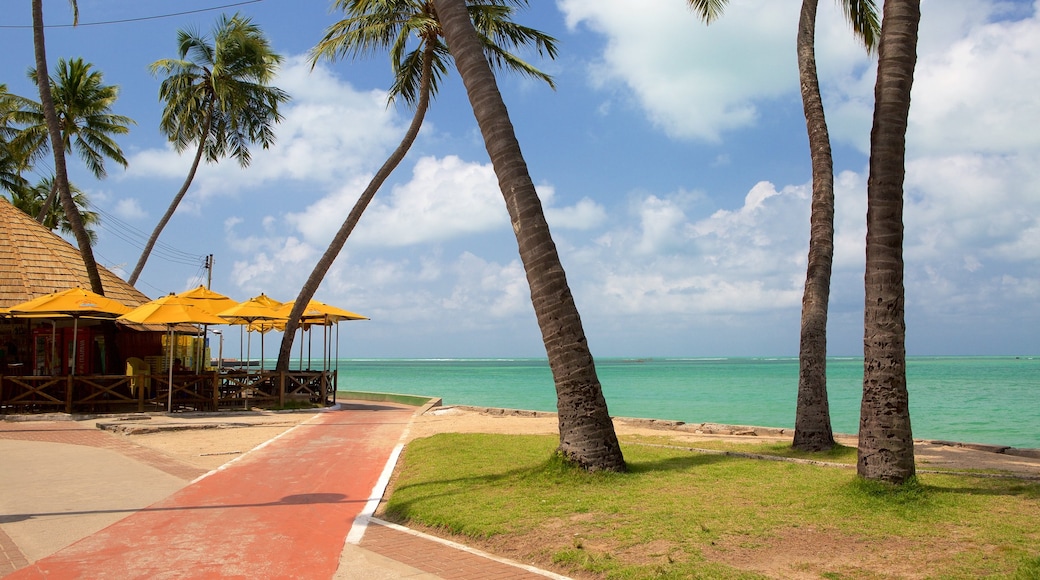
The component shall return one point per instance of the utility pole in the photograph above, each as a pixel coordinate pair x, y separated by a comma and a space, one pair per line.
209, 272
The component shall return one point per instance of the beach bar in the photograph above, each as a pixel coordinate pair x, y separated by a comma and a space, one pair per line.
81, 359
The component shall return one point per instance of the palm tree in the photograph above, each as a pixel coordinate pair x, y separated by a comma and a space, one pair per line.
812, 426
12, 160
32, 199
83, 104
373, 25
886, 445
57, 147
587, 435
218, 97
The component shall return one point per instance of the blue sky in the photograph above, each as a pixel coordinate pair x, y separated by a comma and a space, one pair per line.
671, 159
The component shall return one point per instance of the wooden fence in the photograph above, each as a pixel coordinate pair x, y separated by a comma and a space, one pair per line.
191, 392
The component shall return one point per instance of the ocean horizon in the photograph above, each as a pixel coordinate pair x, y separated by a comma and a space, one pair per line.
970, 399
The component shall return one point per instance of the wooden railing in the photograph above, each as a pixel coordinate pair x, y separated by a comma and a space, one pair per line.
191, 392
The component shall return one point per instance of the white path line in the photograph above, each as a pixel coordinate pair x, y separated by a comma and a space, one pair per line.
262, 445
470, 550
357, 530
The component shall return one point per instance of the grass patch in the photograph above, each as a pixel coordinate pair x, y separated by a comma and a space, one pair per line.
679, 514
838, 454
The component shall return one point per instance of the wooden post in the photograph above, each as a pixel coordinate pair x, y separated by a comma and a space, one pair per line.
281, 389
68, 394
216, 390
324, 386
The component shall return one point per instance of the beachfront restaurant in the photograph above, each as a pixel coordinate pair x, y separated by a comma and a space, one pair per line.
83, 360
98, 366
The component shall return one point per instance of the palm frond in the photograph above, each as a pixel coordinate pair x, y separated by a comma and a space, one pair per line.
865, 21
707, 10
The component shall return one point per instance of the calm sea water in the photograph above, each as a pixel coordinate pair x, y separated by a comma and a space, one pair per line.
970, 399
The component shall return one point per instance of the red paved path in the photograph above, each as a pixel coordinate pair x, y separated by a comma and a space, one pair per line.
282, 511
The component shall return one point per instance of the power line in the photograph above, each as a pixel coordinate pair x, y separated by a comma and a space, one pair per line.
137, 238
139, 19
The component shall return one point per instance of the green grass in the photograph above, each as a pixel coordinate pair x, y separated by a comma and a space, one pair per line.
680, 514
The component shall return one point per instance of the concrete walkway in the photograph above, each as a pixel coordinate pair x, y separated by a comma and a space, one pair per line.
295, 507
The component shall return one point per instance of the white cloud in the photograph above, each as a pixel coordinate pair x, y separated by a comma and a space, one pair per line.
697, 81
494, 289
445, 198
129, 209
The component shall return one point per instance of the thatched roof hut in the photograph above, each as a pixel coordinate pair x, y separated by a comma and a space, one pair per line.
34, 261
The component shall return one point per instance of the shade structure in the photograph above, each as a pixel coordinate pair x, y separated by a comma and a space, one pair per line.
170, 310
320, 313
71, 302
75, 303
261, 310
210, 301
260, 307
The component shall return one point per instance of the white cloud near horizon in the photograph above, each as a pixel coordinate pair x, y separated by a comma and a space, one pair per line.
444, 198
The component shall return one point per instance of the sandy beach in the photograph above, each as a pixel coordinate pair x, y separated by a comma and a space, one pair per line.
211, 441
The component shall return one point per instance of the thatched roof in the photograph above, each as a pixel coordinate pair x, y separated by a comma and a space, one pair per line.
34, 261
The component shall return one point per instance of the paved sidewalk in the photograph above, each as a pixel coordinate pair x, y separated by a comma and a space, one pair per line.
284, 510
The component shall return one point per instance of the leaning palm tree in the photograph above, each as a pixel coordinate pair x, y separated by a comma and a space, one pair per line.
32, 199
218, 98
374, 25
812, 425
886, 444
61, 174
87, 125
587, 435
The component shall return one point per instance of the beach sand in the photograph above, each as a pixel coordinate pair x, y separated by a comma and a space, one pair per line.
229, 437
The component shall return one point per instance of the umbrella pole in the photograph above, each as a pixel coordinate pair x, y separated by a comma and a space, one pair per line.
55, 365
75, 337
169, 386
325, 348
336, 386
200, 349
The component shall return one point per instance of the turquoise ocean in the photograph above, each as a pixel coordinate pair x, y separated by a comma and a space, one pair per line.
992, 400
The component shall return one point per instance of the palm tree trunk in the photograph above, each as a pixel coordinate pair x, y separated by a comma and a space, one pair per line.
47, 203
886, 446
132, 280
310, 287
812, 425
61, 176
586, 431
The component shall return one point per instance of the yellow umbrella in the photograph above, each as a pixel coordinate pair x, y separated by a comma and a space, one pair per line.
210, 301
170, 310
256, 308
261, 309
76, 303
322, 314
72, 302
